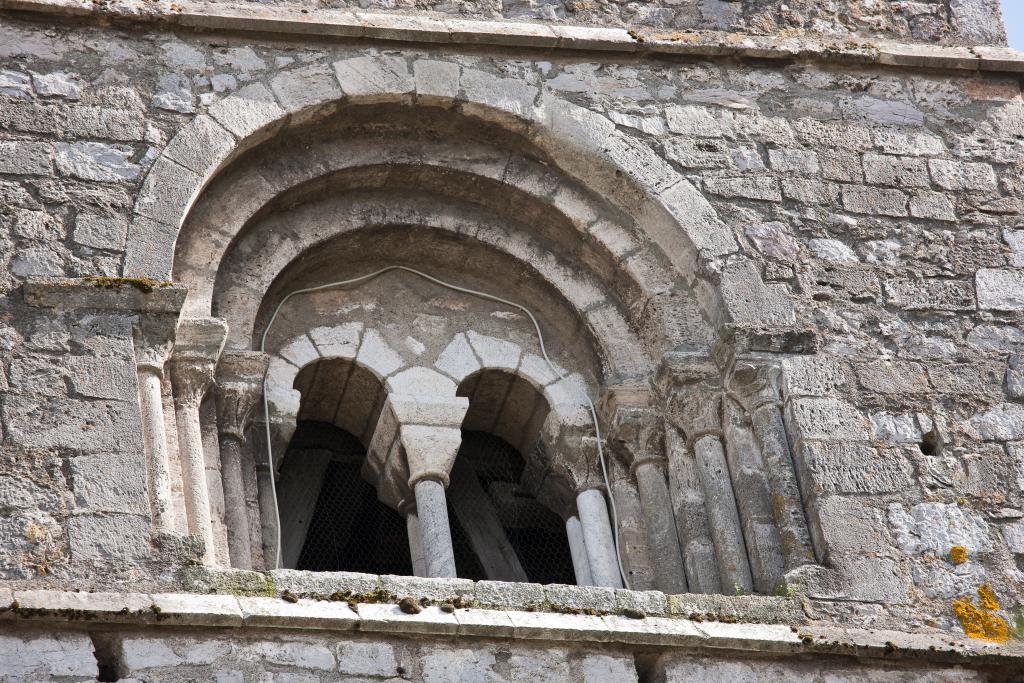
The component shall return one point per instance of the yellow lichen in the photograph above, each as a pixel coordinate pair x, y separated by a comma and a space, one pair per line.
958, 554
981, 621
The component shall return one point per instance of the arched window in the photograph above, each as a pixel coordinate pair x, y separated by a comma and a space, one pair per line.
500, 528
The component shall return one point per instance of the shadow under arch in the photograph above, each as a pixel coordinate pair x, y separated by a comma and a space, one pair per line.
504, 525
330, 516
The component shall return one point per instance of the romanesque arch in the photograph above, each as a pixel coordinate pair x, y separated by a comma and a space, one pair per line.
481, 191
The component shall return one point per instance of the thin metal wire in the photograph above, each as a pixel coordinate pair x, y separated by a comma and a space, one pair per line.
465, 290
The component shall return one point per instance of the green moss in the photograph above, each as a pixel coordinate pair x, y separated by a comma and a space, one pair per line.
143, 284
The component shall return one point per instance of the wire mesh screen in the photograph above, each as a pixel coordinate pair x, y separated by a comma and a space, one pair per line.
350, 530
499, 531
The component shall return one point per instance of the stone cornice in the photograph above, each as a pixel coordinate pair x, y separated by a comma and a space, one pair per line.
328, 24
55, 608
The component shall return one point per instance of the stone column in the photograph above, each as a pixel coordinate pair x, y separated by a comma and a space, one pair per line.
154, 338
578, 550
598, 538
759, 389
695, 403
435, 532
637, 434
412, 526
192, 372
670, 577
239, 388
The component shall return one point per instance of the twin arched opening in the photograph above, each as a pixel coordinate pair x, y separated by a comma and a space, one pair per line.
505, 522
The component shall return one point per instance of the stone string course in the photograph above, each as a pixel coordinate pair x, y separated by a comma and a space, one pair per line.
332, 24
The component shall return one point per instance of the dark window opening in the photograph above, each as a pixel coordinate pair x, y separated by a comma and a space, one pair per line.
496, 509
349, 529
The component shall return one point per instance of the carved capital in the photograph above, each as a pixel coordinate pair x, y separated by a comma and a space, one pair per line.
197, 348
635, 430
692, 394
153, 337
239, 379
756, 385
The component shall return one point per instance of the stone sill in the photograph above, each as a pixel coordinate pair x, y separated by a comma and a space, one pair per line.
355, 24
114, 294
52, 608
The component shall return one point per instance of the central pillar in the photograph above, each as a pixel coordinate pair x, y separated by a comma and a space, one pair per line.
412, 527
239, 386
435, 532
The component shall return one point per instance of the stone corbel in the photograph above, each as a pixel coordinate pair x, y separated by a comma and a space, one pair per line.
239, 378
198, 347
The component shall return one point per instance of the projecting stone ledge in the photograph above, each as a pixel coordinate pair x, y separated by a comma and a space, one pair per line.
105, 293
377, 612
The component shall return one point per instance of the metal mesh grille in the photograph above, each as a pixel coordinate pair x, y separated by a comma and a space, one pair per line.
350, 530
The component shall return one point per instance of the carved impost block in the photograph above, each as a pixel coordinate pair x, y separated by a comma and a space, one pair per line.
404, 421
756, 385
196, 351
430, 451
239, 378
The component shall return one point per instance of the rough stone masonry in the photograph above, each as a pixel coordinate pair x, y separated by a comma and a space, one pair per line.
773, 419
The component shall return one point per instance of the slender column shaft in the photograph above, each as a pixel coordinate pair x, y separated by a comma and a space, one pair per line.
435, 533
236, 517
597, 534
669, 574
419, 560
794, 536
723, 515
193, 466
578, 550
155, 435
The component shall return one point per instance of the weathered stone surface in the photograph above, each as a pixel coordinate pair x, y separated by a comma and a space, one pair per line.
96, 161
934, 528
1001, 290
1004, 422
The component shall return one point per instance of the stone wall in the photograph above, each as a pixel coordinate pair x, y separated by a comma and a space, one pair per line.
884, 203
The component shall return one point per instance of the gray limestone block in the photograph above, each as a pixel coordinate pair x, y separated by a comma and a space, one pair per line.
1000, 289
110, 378
100, 231
507, 595
581, 597
97, 161
871, 200
933, 205
434, 589
896, 171
167, 192
930, 294
827, 419
1003, 422
977, 22
377, 75
109, 482
764, 188
963, 175
323, 583
26, 158
1015, 376
201, 145
32, 655
858, 468
297, 89
251, 109
649, 602
109, 538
